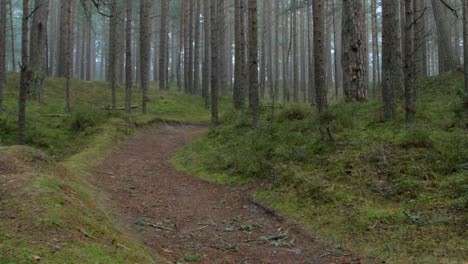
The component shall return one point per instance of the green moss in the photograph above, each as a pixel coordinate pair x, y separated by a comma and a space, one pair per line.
62, 135
60, 218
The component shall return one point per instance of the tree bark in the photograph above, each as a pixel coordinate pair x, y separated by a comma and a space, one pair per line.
222, 44
391, 57
64, 26
319, 54
375, 48
295, 64
354, 51
25, 80
409, 61
276, 61
3, 23
465, 47
239, 80
190, 47
310, 46
113, 50
447, 60
163, 47
206, 61
186, 22
253, 63
181, 47
420, 47
13, 43
286, 51
128, 58
38, 47
196, 55
145, 50
214, 62
335, 47
269, 49
456, 33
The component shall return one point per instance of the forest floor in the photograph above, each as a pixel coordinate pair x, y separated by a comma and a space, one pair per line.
185, 219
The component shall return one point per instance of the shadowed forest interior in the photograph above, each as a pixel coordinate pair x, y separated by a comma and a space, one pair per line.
233, 131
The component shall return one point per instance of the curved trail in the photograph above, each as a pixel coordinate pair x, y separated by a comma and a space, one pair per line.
177, 215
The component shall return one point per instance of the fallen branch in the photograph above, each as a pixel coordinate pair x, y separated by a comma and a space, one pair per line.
86, 234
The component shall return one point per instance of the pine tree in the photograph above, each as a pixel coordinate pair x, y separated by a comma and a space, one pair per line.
319, 54
392, 73
354, 51
3, 24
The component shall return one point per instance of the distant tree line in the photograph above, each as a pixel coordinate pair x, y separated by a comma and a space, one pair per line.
310, 51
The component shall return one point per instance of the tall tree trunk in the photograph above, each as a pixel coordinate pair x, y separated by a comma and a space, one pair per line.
128, 58
402, 26
408, 62
229, 55
113, 51
91, 60
354, 51
276, 61
286, 51
64, 26
173, 51
295, 64
456, 33
190, 50
145, 49
420, 47
222, 44
156, 43
319, 54
303, 55
82, 60
13, 42
181, 47
335, 42
69, 53
263, 53
25, 75
52, 38
214, 61
163, 47
239, 80
465, 47
375, 48
186, 8
253, 63
38, 47
312, 96
328, 49
105, 51
196, 55
206, 60
391, 57
269, 48
447, 60
3, 23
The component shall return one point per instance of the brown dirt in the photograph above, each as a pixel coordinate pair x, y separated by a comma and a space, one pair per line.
177, 215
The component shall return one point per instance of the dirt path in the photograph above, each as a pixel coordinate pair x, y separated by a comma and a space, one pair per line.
179, 216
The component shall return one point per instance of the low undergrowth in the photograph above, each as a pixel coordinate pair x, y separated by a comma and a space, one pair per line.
61, 135
394, 191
